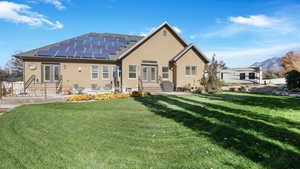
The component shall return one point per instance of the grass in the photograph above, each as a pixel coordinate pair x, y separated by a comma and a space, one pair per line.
222, 131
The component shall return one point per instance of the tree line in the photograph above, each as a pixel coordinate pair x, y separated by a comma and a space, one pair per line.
12, 71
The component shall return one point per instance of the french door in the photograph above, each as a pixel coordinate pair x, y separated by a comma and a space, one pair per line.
149, 74
51, 72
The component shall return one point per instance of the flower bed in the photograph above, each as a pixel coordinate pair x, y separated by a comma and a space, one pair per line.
106, 96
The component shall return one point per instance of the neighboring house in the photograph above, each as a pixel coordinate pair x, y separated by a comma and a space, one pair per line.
115, 61
249, 75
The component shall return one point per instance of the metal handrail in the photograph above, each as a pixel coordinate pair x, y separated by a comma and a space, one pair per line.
59, 84
28, 82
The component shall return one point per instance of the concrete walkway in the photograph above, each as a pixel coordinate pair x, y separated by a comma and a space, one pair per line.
8, 103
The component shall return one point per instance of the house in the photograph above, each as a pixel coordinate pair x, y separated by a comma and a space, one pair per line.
105, 61
247, 75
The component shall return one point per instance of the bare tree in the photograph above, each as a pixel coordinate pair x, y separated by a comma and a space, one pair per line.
15, 68
210, 81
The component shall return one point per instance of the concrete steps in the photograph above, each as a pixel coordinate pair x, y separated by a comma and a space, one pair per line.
152, 87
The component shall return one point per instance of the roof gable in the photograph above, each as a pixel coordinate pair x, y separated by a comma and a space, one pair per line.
142, 41
188, 48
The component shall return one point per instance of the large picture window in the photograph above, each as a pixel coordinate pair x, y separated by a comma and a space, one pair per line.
165, 72
105, 72
132, 72
95, 72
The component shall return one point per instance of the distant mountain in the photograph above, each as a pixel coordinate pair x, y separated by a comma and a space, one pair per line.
270, 64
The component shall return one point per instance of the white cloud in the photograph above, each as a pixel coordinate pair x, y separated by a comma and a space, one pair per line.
20, 13
57, 3
255, 20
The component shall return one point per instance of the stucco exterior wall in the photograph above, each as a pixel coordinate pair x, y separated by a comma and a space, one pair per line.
189, 59
73, 73
29, 72
158, 48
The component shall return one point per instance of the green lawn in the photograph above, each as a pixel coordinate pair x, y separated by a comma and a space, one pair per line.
226, 131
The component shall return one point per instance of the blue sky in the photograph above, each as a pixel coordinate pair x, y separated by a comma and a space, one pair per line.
240, 32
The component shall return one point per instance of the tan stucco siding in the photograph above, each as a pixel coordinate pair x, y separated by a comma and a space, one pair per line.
29, 72
73, 73
158, 48
190, 58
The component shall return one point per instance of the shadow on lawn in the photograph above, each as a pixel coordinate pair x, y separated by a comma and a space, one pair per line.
228, 133
272, 102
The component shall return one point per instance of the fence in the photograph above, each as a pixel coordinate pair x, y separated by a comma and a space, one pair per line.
17, 89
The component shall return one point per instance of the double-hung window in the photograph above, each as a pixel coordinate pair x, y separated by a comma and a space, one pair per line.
95, 72
132, 72
165, 72
194, 70
191, 70
105, 72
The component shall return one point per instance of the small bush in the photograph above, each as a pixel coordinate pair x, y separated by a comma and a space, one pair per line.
293, 79
199, 90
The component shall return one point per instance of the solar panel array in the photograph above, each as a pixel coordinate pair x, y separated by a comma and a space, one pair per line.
92, 45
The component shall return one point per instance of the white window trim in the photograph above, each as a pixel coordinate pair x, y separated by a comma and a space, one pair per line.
132, 72
94, 72
191, 75
106, 72
165, 73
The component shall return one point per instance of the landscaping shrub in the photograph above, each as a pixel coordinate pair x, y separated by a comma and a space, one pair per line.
293, 79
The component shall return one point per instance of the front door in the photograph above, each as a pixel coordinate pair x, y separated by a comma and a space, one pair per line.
149, 74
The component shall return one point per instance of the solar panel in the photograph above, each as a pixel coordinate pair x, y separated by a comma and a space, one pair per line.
89, 46
42, 53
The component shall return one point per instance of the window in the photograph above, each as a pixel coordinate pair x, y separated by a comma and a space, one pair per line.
242, 76
115, 70
51, 72
194, 70
56, 72
251, 75
95, 72
132, 71
165, 72
222, 75
105, 72
190, 70
47, 70
187, 70
145, 73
